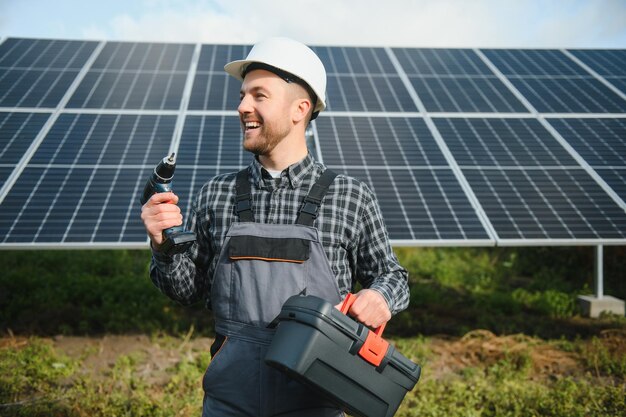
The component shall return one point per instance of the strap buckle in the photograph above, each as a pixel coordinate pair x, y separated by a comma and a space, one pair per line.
243, 203
310, 207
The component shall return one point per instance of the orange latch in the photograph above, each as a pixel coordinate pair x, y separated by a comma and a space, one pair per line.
375, 347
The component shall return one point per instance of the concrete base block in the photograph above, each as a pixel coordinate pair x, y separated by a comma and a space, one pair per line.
592, 306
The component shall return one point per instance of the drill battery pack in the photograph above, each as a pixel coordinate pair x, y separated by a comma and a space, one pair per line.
350, 364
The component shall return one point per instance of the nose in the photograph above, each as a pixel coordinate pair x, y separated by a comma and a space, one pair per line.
245, 105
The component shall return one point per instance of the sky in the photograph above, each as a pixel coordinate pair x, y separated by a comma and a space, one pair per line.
411, 23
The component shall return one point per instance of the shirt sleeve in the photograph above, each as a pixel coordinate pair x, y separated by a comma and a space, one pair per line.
184, 277
377, 265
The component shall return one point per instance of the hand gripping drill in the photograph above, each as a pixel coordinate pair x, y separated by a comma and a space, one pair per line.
175, 239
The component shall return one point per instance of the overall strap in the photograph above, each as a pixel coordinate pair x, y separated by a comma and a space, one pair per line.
313, 201
243, 199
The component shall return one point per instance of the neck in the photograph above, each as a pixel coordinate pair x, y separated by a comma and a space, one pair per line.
286, 153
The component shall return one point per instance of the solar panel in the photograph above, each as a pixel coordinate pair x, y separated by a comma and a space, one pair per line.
135, 76
606, 62
546, 204
214, 142
553, 83
37, 73
399, 159
455, 80
461, 146
528, 185
363, 80
569, 95
602, 143
213, 88
82, 183
17, 133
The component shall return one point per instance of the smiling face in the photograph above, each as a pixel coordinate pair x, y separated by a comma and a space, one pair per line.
264, 111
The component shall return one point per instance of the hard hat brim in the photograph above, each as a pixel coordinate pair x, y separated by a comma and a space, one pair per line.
236, 69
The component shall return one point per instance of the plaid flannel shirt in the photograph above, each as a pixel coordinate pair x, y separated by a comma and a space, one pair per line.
350, 225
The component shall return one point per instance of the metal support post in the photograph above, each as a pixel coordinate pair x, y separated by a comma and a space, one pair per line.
599, 272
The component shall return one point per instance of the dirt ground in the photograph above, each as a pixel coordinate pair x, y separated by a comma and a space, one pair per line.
445, 354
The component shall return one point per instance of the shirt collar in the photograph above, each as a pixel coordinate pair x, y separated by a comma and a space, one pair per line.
294, 173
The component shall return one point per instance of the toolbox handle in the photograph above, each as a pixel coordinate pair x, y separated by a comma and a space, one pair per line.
347, 303
375, 347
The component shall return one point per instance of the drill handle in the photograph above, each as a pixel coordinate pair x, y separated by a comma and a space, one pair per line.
153, 187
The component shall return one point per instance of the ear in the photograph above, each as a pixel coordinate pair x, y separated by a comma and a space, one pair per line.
301, 109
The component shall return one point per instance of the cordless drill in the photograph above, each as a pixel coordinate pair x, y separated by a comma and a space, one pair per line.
175, 239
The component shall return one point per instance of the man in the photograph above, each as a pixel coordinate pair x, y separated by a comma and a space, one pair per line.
283, 226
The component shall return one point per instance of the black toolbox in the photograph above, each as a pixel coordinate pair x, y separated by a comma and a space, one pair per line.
353, 366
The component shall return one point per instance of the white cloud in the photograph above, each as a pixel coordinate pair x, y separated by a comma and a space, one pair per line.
436, 23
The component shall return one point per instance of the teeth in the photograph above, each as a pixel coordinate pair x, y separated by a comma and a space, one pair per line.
252, 125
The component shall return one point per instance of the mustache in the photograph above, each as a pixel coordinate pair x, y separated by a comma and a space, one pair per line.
251, 118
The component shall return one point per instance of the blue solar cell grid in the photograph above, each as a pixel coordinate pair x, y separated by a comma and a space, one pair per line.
611, 64
363, 141
602, 144
213, 89
554, 83
455, 80
524, 204
135, 76
502, 142
17, 133
363, 79
37, 73
398, 158
213, 141
606, 62
82, 184
529, 187
104, 139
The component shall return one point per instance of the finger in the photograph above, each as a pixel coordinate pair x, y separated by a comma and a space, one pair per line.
160, 209
160, 198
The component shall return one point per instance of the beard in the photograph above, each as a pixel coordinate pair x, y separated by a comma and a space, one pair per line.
266, 139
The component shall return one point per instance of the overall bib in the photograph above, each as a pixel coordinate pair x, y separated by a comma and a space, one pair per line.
259, 268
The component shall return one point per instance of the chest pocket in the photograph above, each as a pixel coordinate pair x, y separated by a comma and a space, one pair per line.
268, 249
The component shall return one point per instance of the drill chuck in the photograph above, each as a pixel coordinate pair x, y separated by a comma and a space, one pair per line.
175, 239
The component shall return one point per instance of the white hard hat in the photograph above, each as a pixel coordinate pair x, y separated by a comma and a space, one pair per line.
290, 56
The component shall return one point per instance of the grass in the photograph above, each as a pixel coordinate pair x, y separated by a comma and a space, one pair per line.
38, 380
120, 390
496, 331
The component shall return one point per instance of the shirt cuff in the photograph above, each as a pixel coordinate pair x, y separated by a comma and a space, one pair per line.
161, 260
384, 289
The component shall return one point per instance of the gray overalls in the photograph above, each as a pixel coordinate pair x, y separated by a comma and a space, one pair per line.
260, 266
